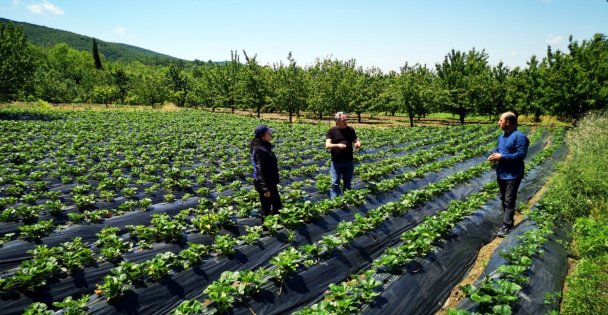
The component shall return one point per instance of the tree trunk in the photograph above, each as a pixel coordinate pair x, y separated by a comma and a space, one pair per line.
359, 116
259, 109
290, 115
462, 118
411, 120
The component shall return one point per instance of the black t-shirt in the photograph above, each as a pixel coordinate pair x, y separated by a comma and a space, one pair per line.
347, 136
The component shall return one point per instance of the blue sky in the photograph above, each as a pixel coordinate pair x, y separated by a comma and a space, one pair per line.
381, 33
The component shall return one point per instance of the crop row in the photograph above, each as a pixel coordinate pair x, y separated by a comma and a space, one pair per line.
349, 296
166, 234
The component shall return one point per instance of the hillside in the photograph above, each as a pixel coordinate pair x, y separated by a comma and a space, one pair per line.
48, 37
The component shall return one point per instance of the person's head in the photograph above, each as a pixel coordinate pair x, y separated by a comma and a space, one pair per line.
507, 121
263, 133
341, 120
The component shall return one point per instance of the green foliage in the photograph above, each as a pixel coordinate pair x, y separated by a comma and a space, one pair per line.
96, 57
17, 61
37, 308
590, 238
66, 70
48, 37
71, 306
587, 292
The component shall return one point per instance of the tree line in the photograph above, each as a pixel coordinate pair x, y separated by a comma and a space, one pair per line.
564, 84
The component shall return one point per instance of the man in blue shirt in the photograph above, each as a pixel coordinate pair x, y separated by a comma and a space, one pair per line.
509, 156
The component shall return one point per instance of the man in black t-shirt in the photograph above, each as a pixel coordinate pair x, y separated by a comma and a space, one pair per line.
341, 140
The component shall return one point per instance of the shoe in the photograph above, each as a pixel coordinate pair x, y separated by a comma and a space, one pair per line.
504, 231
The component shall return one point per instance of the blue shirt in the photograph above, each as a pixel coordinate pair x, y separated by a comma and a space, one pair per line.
513, 148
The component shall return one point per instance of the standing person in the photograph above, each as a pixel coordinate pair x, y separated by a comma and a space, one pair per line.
509, 156
265, 171
340, 140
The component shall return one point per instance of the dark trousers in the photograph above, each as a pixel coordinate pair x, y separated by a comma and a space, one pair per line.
272, 204
508, 196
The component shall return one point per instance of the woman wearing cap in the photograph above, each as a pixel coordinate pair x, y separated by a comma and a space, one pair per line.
265, 171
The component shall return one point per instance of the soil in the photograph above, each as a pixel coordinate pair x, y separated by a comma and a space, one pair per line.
571, 268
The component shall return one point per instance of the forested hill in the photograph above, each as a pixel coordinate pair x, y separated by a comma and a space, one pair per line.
48, 37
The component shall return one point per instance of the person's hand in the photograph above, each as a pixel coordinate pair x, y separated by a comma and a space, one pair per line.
357, 145
341, 146
494, 157
267, 194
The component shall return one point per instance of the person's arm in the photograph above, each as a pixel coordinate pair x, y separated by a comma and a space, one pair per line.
260, 165
329, 145
495, 156
356, 143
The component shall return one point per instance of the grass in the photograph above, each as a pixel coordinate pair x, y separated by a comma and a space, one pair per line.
578, 193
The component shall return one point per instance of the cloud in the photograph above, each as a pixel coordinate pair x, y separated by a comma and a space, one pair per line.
513, 54
120, 30
45, 7
16, 3
554, 39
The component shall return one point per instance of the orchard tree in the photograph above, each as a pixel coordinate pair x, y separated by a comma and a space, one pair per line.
577, 82
415, 91
465, 76
179, 84
367, 85
75, 68
17, 61
121, 81
289, 88
254, 84
148, 84
104, 94
224, 82
497, 92
331, 86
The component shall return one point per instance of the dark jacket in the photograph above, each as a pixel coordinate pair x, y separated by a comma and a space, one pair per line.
265, 167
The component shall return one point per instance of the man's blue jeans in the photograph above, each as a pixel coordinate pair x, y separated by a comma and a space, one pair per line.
341, 170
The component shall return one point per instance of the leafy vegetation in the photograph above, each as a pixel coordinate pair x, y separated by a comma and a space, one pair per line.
577, 194
565, 85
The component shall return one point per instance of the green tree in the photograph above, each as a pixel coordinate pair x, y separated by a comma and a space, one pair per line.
415, 91
179, 84
121, 81
290, 88
17, 61
331, 86
577, 82
465, 76
497, 88
255, 84
148, 85
76, 71
224, 81
96, 57
104, 94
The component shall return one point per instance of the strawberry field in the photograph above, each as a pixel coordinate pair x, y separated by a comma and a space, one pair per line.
152, 212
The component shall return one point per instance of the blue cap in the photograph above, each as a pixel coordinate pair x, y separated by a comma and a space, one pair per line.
261, 130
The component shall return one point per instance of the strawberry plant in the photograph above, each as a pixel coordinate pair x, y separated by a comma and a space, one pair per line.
37, 230
224, 244
71, 306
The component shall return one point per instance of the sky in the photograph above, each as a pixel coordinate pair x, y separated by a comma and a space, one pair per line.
381, 33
